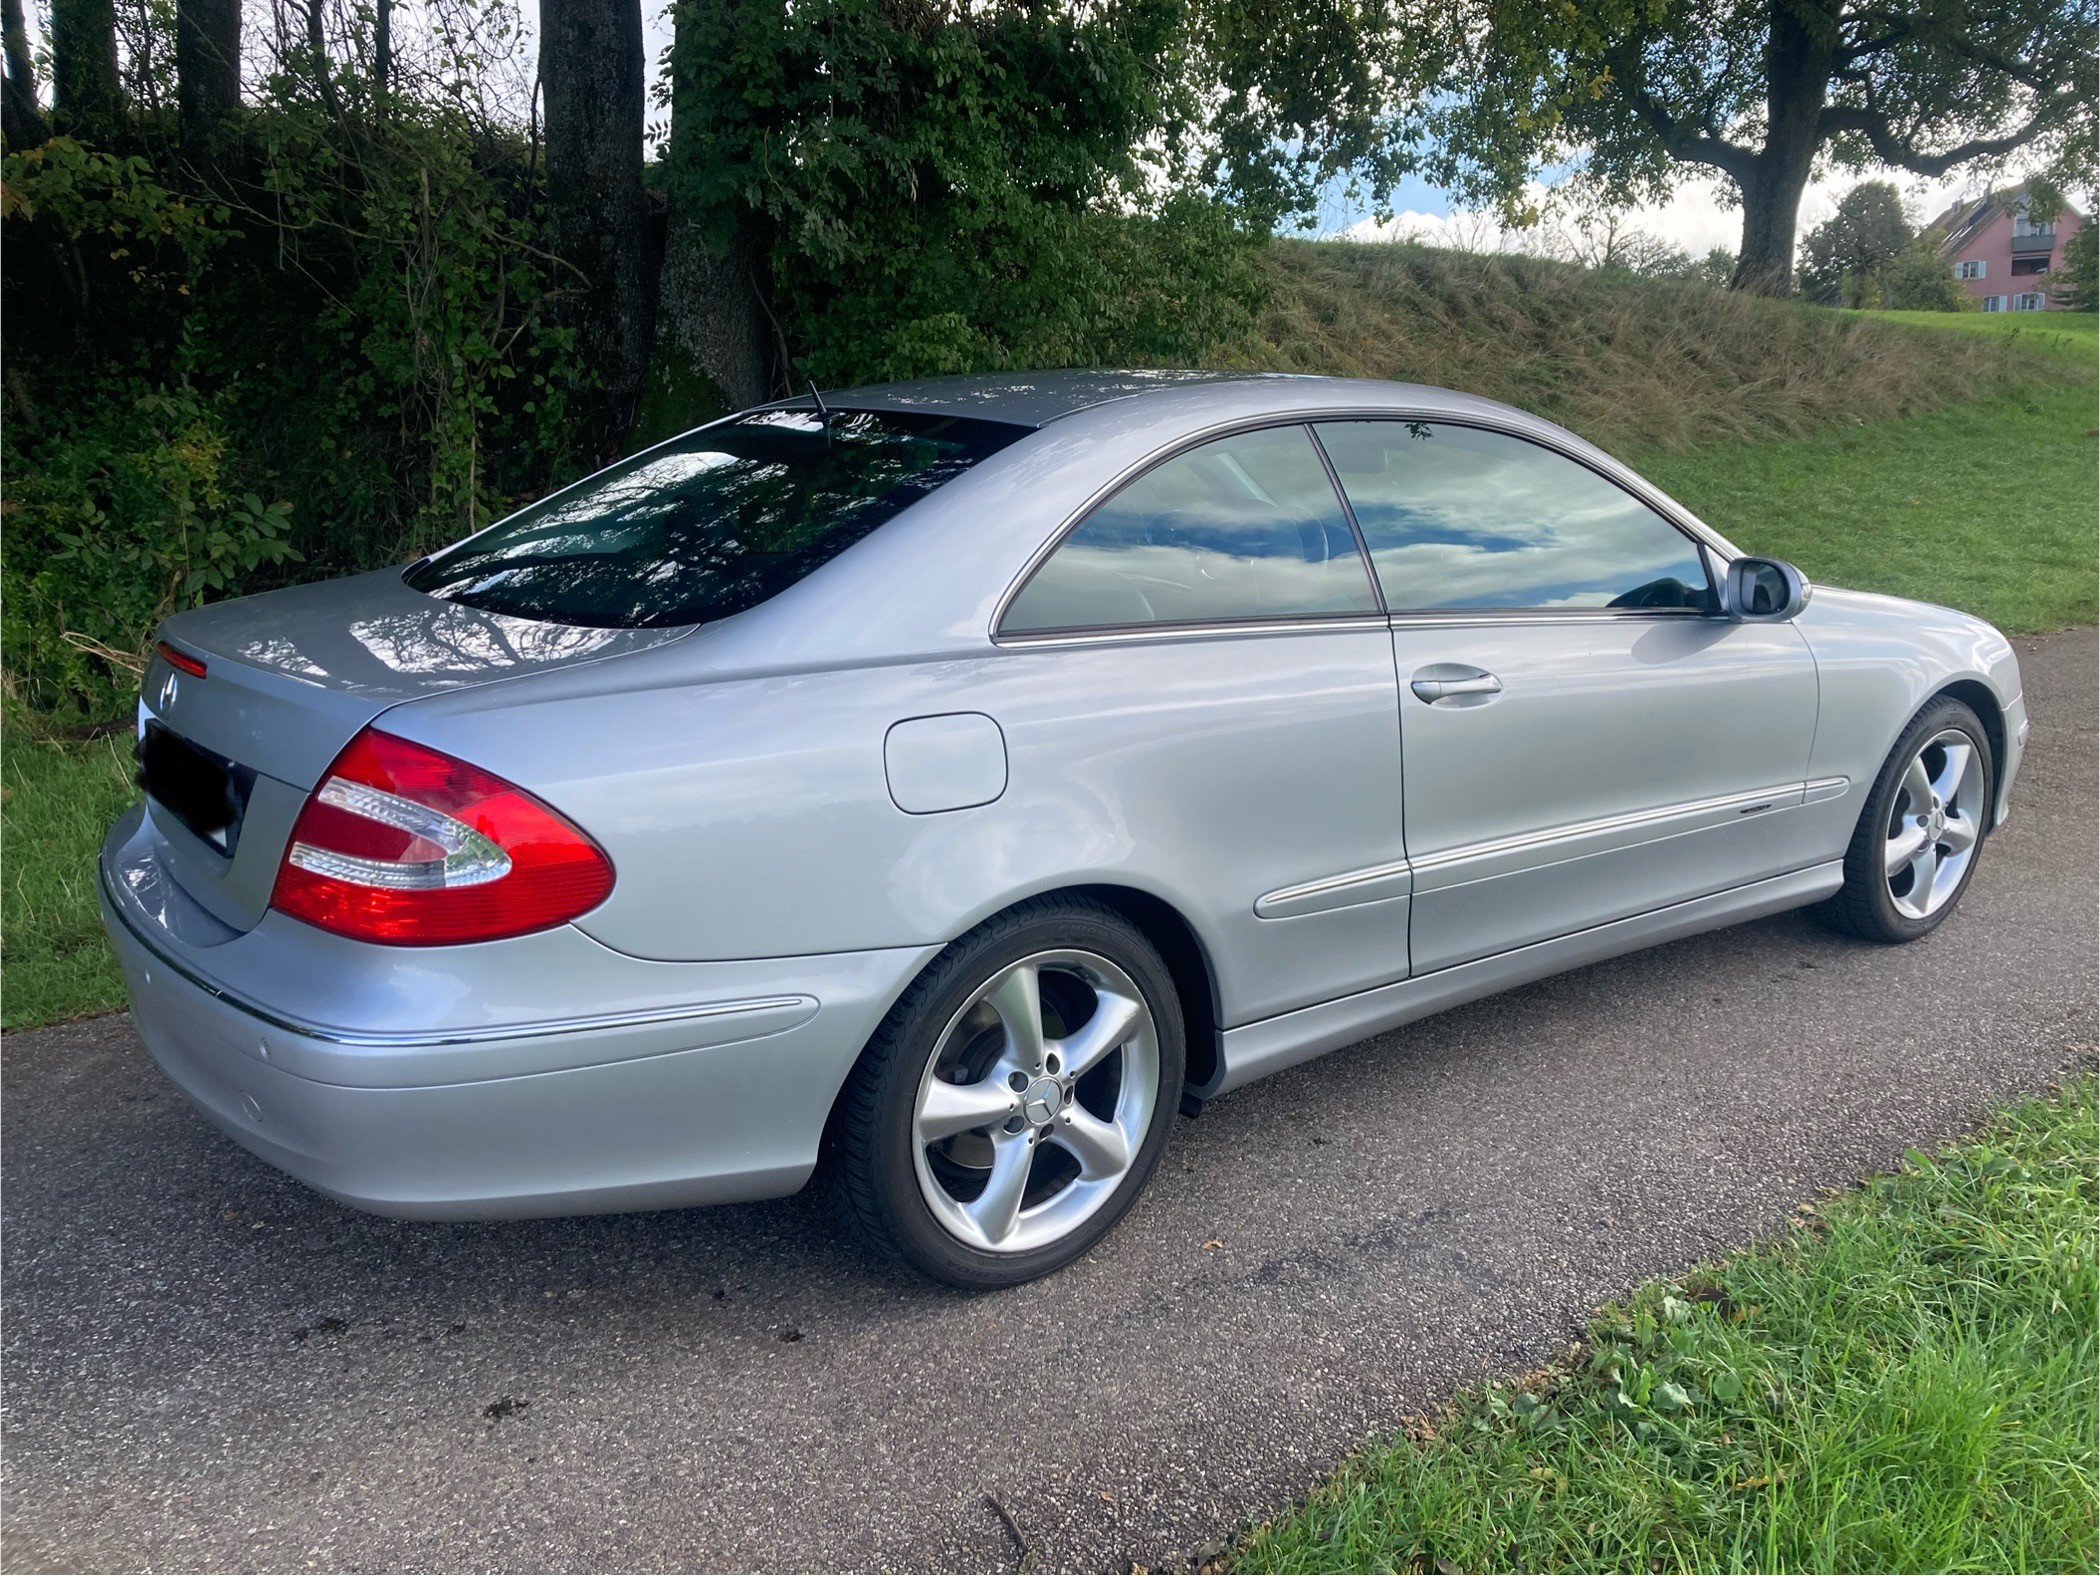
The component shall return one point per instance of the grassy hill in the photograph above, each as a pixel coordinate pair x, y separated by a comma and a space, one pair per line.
1635, 365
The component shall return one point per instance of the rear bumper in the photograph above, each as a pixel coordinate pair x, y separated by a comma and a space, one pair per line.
547, 1076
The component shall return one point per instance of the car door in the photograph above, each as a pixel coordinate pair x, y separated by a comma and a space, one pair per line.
1196, 684
1585, 737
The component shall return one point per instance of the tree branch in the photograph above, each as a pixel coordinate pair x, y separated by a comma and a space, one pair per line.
1892, 149
1678, 139
1874, 46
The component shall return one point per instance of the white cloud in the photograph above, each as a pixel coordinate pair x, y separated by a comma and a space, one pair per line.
1694, 217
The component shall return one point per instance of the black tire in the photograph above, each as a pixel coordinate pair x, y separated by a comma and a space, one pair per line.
877, 1169
1864, 906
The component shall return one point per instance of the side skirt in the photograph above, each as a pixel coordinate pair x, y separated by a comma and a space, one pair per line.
1257, 1049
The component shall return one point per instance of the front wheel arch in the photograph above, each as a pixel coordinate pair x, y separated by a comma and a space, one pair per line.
1980, 698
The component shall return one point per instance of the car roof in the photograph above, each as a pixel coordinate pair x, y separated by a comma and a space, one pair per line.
1027, 399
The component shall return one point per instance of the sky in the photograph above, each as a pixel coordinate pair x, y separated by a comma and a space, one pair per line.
1695, 217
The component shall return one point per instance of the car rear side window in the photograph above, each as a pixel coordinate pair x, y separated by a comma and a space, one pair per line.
713, 523
1459, 517
1246, 527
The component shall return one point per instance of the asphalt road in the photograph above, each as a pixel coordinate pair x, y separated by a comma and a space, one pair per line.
207, 1366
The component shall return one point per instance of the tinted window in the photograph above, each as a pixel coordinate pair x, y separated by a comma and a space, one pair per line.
713, 523
1246, 527
1456, 517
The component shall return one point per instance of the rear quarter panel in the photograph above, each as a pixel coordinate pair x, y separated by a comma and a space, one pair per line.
750, 816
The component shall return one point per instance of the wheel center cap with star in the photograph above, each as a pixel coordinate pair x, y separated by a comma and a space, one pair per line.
1042, 1102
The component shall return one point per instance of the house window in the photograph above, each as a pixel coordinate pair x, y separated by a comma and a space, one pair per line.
1994, 303
2030, 265
1971, 270
2029, 302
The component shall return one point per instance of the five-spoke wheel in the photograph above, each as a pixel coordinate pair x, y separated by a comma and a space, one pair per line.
1934, 824
1917, 839
1015, 1101
1036, 1101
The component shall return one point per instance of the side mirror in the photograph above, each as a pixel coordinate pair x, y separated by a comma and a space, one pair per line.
1763, 590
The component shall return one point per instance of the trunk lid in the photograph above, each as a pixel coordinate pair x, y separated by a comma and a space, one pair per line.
290, 677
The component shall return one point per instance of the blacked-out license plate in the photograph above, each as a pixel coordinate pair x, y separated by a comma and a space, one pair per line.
205, 792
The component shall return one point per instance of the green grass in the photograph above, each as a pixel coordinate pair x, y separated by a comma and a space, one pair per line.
2073, 334
56, 801
1906, 1382
1989, 507
1635, 365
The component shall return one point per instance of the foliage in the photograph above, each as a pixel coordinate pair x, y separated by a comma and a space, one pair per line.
1920, 279
954, 188
1597, 234
1716, 270
1281, 97
1849, 254
337, 341
1645, 84
2077, 286
1903, 1382
324, 353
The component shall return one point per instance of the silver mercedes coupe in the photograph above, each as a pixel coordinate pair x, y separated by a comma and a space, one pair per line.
951, 782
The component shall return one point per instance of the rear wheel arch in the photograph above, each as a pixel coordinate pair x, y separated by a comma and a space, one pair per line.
1195, 980
1171, 935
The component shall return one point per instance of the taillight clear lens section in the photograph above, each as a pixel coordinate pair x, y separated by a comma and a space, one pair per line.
406, 845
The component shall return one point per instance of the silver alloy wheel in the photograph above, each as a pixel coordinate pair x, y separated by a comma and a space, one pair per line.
1934, 824
1036, 1101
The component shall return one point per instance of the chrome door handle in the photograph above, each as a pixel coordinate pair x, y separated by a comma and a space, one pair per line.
1447, 680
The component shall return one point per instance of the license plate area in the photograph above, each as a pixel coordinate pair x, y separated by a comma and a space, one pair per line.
207, 793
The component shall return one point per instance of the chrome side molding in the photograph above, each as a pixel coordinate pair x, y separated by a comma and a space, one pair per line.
1257, 1049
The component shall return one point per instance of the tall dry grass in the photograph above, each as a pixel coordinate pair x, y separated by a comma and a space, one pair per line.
1631, 364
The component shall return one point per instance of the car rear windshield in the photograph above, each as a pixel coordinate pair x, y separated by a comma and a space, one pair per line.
710, 524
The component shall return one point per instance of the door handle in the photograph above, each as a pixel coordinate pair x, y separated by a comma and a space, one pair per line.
1448, 681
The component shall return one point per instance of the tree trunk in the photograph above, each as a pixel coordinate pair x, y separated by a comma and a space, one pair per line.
592, 73
382, 49
1799, 55
317, 56
207, 64
21, 118
714, 343
1771, 211
84, 63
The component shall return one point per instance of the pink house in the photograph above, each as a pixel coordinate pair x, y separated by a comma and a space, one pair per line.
2002, 257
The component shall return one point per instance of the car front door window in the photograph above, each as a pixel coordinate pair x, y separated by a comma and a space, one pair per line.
1461, 518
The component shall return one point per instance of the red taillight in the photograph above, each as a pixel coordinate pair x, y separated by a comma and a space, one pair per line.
406, 845
181, 660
